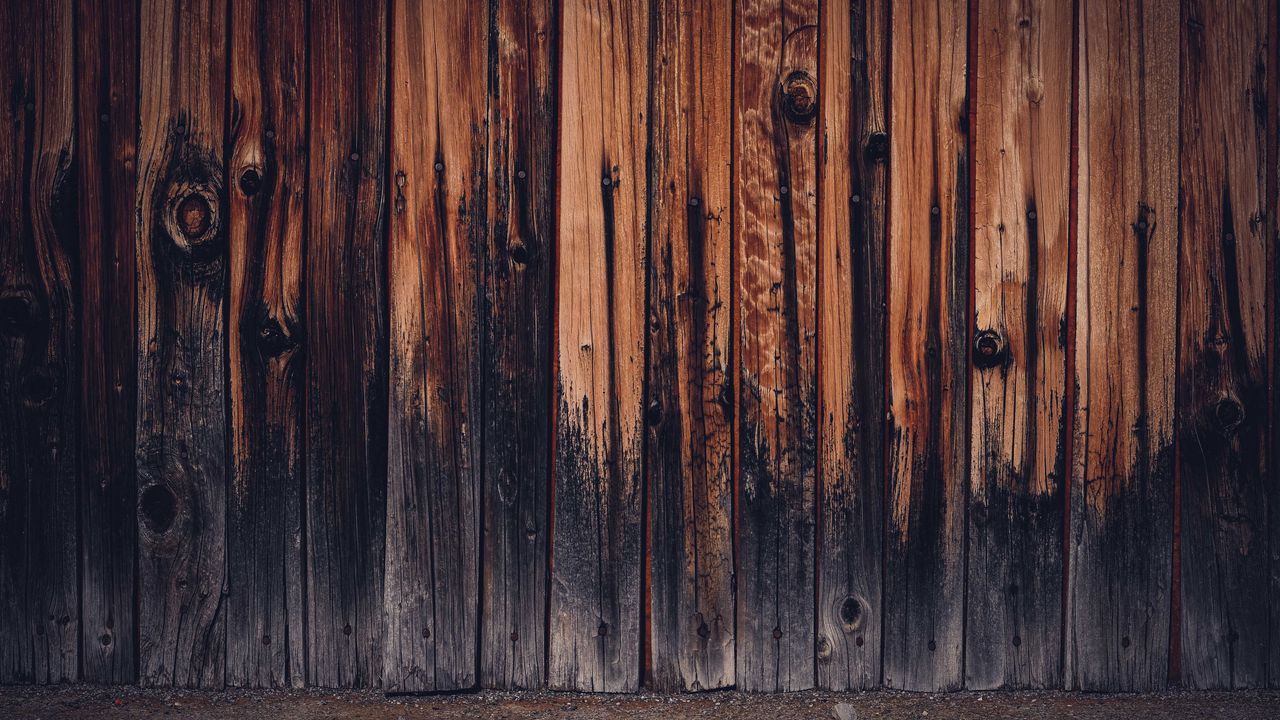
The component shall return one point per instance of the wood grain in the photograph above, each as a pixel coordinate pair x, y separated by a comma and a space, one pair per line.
1021, 168
851, 341
39, 362
346, 341
1223, 350
689, 408
1117, 627
264, 328
599, 339
928, 360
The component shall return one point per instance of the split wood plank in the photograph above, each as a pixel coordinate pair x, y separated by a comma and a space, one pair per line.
182, 288
928, 346
851, 341
268, 173
346, 342
439, 233
1117, 627
1223, 351
1017, 483
599, 336
775, 226
689, 409
39, 363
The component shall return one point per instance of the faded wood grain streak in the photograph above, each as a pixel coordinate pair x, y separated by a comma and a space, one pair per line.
599, 337
39, 363
1223, 344
1273, 315
268, 175
346, 342
1117, 627
1017, 481
928, 339
689, 408
775, 226
851, 341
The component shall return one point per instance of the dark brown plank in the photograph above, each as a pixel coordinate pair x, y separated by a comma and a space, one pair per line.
264, 327
851, 341
182, 287
439, 226
1117, 627
689, 409
1223, 351
928, 343
1273, 310
39, 363
775, 227
516, 370
599, 336
1017, 485
346, 366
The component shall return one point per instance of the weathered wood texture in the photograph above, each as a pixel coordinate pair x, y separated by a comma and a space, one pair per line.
1117, 627
928, 323
1017, 482
853, 172
182, 361
775, 220
516, 367
1222, 344
39, 362
600, 339
346, 342
268, 137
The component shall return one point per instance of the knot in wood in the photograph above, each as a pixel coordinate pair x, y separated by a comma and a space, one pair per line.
851, 614
273, 339
39, 386
1230, 414
193, 218
519, 252
800, 97
17, 313
653, 413
988, 349
877, 149
250, 181
159, 508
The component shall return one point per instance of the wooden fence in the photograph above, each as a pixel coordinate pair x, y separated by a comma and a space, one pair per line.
595, 344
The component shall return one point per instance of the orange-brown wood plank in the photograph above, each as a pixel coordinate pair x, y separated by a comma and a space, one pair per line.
268, 182
599, 331
438, 231
689, 408
928, 314
776, 233
1223, 351
1117, 626
182, 361
1017, 482
853, 171
39, 367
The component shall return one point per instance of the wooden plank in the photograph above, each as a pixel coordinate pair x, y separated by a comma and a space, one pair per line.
182, 278
439, 227
1223, 351
1117, 627
264, 326
39, 366
775, 225
689, 408
516, 370
107, 136
928, 332
851, 341
346, 366
599, 337
1022, 181
1273, 314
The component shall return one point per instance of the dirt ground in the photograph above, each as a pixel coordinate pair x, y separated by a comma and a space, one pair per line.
105, 702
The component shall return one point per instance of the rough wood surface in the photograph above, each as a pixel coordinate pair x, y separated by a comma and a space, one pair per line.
1017, 482
516, 370
346, 363
853, 171
39, 363
268, 176
599, 337
1117, 627
1223, 344
689, 408
928, 340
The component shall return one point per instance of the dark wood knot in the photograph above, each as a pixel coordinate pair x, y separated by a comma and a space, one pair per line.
250, 181
603, 630
17, 312
39, 386
777, 633
851, 614
159, 507
877, 149
193, 219
519, 252
800, 97
653, 413
988, 349
273, 339
1230, 414
824, 648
